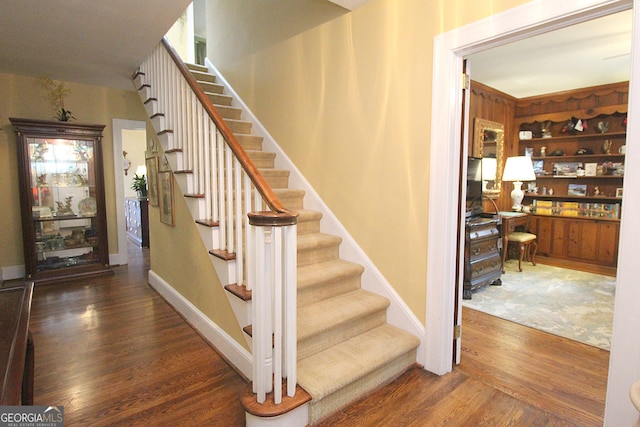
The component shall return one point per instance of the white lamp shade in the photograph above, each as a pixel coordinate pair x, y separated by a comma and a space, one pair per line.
519, 169
141, 170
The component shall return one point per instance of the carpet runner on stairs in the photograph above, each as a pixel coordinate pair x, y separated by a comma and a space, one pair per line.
345, 347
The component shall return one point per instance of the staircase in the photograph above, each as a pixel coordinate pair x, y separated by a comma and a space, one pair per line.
345, 346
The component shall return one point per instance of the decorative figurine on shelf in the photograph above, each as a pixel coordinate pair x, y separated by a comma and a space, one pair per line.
596, 191
39, 151
602, 127
65, 210
81, 151
606, 146
42, 180
546, 129
574, 125
543, 151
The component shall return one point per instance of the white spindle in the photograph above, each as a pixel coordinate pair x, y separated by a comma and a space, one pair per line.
290, 308
238, 220
222, 228
231, 244
276, 256
266, 259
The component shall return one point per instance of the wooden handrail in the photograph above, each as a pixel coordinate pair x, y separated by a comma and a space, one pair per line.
256, 177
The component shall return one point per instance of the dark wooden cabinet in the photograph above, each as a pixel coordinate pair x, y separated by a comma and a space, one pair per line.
577, 240
137, 218
62, 200
482, 255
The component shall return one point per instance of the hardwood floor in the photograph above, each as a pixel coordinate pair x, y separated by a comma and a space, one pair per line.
114, 353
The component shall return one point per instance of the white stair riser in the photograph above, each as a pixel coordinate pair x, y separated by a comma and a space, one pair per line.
196, 206
159, 122
139, 80
151, 106
144, 92
166, 141
175, 159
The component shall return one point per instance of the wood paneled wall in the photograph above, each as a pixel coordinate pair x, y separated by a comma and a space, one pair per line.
587, 100
490, 104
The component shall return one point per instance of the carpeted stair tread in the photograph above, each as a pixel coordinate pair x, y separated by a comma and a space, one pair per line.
203, 76
196, 67
262, 159
308, 215
292, 198
209, 87
308, 221
327, 279
249, 142
309, 241
219, 98
323, 373
342, 309
228, 112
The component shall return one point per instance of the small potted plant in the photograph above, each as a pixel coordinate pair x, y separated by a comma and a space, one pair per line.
57, 92
139, 184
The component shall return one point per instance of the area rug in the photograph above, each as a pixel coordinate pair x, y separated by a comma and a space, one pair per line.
572, 304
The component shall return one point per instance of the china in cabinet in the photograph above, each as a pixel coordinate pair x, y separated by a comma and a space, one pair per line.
62, 199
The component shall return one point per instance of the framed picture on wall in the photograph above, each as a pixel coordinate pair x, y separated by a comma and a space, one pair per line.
165, 197
152, 179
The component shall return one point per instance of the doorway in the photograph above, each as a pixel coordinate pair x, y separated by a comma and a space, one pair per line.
449, 49
122, 136
502, 78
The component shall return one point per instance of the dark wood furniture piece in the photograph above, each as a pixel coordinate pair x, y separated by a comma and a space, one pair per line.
137, 218
482, 256
576, 212
62, 199
16, 346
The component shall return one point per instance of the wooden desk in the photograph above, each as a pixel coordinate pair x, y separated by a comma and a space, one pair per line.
510, 221
16, 346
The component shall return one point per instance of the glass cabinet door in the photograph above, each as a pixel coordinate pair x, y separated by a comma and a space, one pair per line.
64, 204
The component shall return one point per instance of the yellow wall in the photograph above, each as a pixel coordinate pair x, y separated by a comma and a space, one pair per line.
177, 254
348, 97
25, 97
181, 259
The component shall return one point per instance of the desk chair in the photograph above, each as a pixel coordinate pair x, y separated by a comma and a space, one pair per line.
527, 245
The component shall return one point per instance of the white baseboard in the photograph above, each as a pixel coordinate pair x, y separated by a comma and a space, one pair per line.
12, 272
218, 338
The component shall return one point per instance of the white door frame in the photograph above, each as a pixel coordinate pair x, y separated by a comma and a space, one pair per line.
530, 19
119, 125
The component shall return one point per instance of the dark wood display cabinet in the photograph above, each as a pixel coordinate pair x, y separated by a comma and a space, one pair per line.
62, 199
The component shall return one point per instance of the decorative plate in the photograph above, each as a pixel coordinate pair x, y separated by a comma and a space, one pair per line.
87, 207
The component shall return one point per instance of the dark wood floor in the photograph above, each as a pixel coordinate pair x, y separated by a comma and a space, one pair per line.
114, 354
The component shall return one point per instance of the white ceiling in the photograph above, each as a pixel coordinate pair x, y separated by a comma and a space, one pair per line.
588, 54
102, 42
98, 42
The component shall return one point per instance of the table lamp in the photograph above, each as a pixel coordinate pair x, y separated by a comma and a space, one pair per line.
518, 169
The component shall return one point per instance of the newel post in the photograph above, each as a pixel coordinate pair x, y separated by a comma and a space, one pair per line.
273, 270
